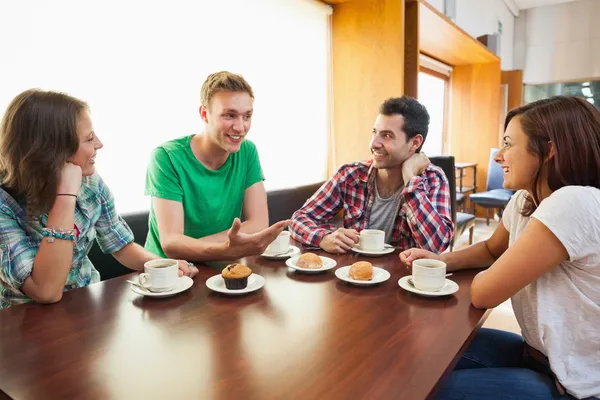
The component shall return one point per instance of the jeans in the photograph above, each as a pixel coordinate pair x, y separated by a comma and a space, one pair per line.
494, 367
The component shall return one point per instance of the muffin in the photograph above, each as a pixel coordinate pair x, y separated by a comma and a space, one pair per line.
236, 276
309, 261
361, 271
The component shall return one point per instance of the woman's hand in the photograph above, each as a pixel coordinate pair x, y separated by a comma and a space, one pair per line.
70, 179
187, 269
408, 256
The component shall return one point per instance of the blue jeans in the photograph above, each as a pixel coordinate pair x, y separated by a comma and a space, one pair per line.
495, 367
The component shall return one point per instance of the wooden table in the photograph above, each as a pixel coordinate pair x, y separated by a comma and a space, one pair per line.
300, 337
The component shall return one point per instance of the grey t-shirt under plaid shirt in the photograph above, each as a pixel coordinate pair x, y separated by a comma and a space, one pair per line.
20, 238
384, 213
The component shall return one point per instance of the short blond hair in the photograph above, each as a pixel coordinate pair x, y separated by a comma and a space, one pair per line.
223, 81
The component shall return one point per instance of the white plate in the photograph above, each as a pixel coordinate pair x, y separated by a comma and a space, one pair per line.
449, 288
217, 283
387, 250
328, 263
293, 251
184, 283
379, 275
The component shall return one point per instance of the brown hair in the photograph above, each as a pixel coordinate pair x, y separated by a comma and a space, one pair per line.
223, 81
37, 135
573, 126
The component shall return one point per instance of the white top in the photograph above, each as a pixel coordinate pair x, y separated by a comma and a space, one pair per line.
559, 313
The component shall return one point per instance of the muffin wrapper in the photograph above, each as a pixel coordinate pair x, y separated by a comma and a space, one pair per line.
236, 283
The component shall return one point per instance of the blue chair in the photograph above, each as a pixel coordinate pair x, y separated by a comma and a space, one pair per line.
495, 196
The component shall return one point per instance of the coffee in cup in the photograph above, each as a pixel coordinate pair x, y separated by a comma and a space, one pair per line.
160, 275
429, 275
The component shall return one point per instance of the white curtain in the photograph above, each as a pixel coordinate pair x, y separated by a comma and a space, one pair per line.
140, 66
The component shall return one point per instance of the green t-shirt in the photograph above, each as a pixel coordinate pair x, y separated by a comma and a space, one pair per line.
211, 199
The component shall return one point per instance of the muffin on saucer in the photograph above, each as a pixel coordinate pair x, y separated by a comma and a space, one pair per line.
361, 271
236, 276
309, 261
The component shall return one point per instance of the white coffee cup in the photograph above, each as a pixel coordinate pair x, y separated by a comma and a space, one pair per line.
429, 275
280, 245
371, 240
160, 275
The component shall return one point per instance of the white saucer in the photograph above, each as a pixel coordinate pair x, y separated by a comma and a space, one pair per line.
375, 253
293, 251
379, 275
184, 283
449, 288
217, 283
328, 263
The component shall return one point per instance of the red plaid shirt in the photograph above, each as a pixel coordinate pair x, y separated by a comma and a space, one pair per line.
424, 219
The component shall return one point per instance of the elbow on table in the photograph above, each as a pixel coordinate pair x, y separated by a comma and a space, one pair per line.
482, 300
48, 296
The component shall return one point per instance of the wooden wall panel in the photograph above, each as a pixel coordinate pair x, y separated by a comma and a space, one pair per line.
442, 39
411, 50
514, 80
475, 111
368, 67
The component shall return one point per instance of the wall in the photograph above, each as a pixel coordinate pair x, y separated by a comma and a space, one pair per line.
140, 66
480, 17
558, 43
475, 114
368, 67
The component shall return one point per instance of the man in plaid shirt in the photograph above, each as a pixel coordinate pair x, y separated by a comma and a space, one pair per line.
398, 191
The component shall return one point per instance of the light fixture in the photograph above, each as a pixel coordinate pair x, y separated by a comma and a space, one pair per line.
591, 100
587, 92
585, 84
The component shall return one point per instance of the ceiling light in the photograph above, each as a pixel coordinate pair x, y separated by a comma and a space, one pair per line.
590, 100
585, 84
587, 92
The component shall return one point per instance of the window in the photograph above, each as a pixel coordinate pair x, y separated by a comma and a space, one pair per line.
589, 90
433, 94
140, 65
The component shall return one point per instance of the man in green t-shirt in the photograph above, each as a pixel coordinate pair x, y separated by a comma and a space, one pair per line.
200, 184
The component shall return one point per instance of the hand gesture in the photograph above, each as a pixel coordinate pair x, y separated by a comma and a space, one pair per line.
243, 244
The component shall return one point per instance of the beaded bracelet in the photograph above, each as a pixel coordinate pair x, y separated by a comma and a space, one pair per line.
63, 234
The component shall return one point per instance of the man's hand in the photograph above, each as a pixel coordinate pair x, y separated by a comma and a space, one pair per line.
242, 244
414, 166
339, 241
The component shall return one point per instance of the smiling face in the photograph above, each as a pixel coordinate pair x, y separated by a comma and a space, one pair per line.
389, 144
228, 118
519, 164
89, 144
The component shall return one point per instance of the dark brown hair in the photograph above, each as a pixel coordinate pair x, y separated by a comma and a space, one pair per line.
223, 81
37, 135
572, 125
416, 117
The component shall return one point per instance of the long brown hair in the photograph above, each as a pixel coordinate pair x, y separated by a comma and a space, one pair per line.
572, 125
37, 135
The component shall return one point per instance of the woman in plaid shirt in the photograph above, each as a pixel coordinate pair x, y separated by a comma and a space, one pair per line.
398, 191
48, 187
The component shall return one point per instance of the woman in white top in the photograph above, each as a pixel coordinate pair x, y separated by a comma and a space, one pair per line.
544, 256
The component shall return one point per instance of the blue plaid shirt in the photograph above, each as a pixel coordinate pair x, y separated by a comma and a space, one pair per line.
95, 218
